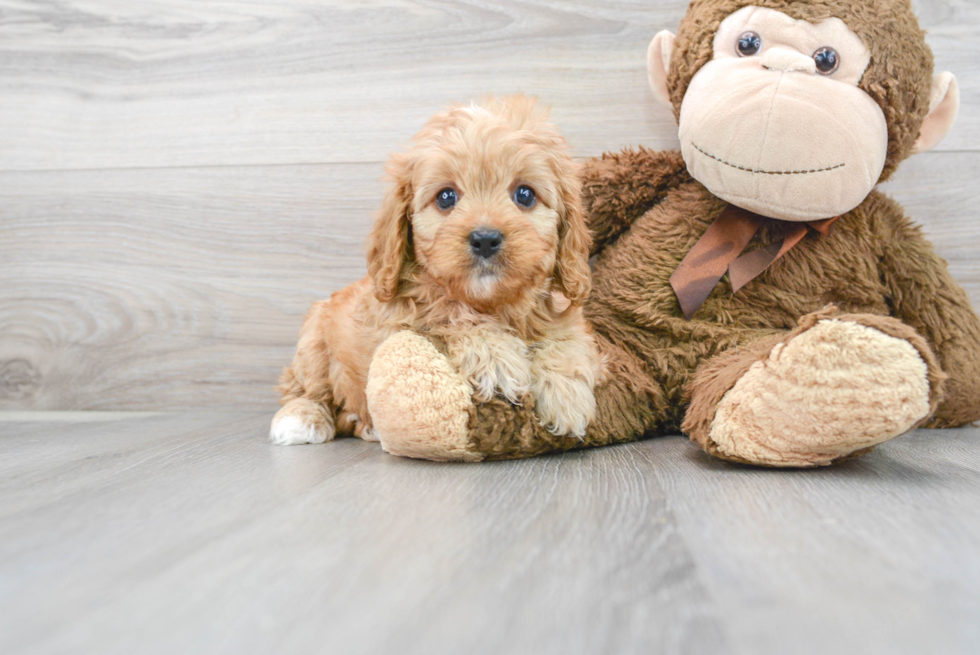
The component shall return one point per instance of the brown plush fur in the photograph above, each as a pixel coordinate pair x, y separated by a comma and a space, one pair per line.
486, 314
627, 403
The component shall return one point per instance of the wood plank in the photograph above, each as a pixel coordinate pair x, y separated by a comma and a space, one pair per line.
876, 555
20, 416
106, 84
173, 288
940, 192
169, 288
189, 533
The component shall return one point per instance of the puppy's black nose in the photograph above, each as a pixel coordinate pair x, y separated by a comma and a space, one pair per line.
486, 243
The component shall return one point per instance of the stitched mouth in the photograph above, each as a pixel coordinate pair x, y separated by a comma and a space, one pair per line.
761, 172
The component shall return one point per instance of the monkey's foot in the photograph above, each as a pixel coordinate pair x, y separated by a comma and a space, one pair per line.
832, 390
420, 406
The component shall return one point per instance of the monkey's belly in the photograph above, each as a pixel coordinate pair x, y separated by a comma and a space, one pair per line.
634, 305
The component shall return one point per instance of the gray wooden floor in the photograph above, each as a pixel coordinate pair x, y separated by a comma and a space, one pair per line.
187, 533
180, 179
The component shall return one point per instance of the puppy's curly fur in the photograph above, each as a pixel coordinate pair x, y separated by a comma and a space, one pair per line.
511, 322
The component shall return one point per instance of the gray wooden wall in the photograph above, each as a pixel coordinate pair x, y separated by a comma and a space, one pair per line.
179, 179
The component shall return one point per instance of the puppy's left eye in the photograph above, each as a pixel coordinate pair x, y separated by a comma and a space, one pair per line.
524, 196
446, 199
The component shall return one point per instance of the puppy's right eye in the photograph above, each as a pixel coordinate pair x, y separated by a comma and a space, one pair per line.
524, 196
446, 199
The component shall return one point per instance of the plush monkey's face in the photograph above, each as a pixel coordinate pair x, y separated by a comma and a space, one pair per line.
775, 122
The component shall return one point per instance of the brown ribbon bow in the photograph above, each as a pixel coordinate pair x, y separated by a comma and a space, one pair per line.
719, 248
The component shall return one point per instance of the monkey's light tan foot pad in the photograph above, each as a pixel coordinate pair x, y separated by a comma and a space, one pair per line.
835, 389
419, 405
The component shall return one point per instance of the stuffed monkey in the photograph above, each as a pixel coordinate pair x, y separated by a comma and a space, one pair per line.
753, 290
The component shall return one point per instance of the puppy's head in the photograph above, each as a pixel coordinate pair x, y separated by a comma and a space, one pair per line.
487, 205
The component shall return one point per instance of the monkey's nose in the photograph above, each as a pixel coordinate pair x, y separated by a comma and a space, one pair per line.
485, 243
782, 59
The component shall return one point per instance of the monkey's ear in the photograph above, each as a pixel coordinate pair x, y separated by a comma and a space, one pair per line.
944, 102
658, 65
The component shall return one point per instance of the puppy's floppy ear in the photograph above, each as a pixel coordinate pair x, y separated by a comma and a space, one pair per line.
388, 245
572, 274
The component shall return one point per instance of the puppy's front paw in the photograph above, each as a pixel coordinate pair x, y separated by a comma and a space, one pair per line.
512, 378
492, 363
564, 405
301, 421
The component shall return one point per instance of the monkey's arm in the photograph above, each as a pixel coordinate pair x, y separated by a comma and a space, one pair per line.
629, 405
422, 408
618, 188
925, 296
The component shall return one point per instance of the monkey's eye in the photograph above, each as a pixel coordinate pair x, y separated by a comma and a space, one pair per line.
749, 44
447, 198
827, 60
524, 196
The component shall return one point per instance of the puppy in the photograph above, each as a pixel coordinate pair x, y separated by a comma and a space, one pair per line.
481, 247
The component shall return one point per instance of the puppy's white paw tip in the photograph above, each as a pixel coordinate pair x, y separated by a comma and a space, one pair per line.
290, 431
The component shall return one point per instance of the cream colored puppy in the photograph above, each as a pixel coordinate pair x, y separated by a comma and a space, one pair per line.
482, 248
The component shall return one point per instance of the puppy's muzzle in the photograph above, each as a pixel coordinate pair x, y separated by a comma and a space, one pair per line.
486, 243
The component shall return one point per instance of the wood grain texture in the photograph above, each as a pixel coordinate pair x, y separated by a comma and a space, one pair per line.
188, 533
191, 534
162, 230
184, 288
169, 288
876, 555
109, 84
